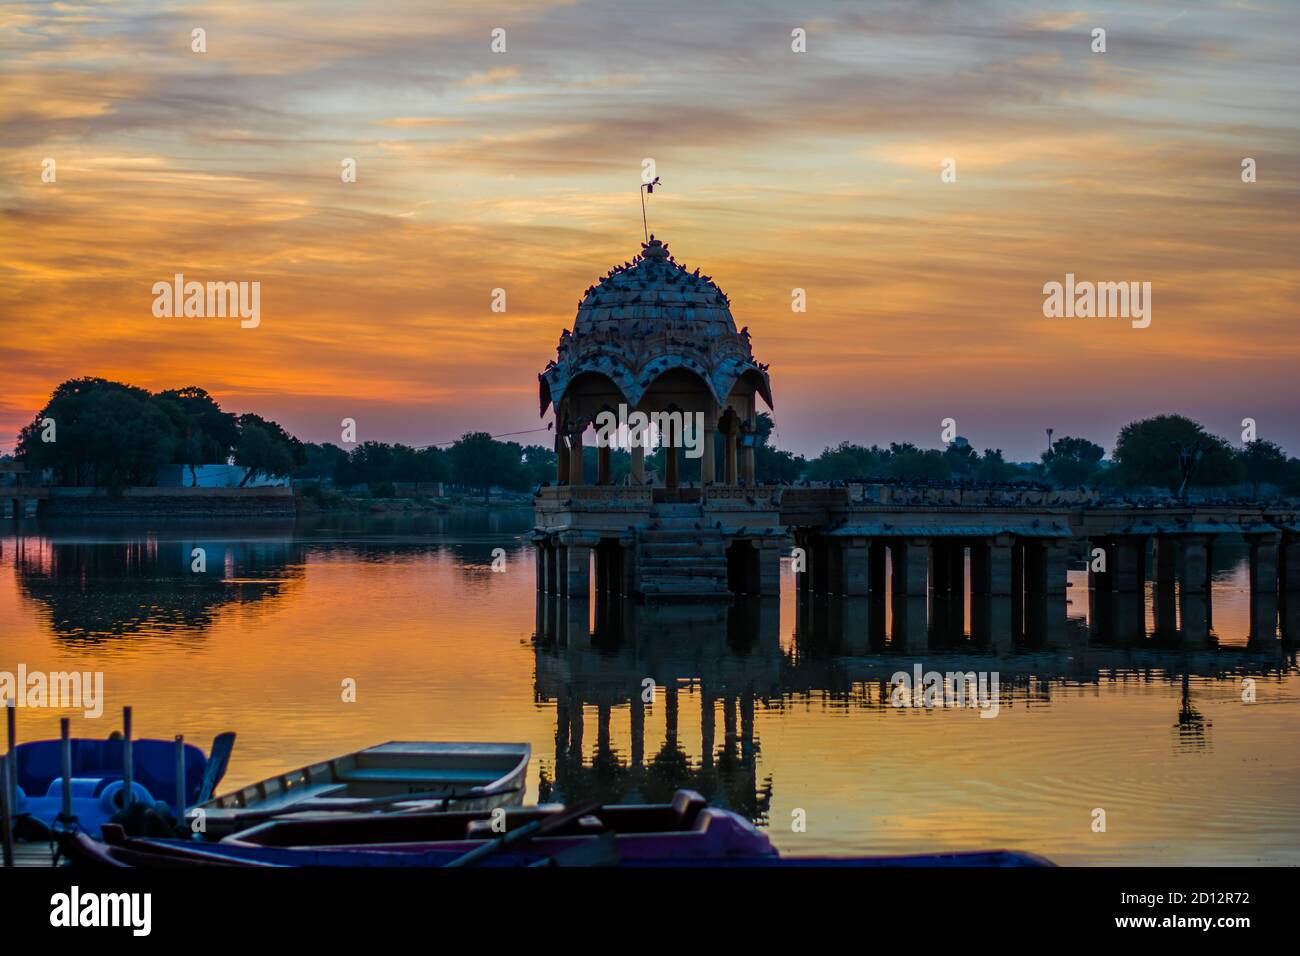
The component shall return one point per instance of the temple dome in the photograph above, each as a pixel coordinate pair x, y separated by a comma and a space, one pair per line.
646, 317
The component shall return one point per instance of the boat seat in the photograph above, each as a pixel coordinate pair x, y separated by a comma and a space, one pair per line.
439, 777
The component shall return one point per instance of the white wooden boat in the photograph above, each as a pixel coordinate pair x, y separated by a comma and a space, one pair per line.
396, 777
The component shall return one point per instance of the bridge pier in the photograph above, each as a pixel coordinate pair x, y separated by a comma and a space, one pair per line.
1289, 587
991, 592
1263, 586
1194, 590
911, 559
1045, 587
1128, 581
1164, 592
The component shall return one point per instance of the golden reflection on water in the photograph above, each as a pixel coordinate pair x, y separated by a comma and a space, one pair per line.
796, 719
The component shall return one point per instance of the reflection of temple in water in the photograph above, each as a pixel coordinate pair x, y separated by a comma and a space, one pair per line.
731, 663
640, 658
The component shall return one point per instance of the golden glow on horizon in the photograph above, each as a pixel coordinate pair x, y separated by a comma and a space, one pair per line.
519, 171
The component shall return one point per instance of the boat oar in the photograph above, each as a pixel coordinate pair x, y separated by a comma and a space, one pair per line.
524, 834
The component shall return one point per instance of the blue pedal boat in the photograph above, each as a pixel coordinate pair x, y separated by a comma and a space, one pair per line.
97, 782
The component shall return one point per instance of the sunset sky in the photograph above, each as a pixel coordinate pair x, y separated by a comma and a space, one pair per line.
520, 170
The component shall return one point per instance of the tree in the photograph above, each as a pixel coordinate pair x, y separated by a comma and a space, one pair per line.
1263, 462
993, 467
107, 434
479, 461
1147, 454
207, 435
1073, 461
265, 448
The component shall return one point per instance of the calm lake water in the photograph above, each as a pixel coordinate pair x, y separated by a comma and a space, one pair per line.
773, 711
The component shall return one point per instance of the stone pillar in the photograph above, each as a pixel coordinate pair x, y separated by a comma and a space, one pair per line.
1128, 580
819, 564
1289, 571
604, 465
747, 465
1164, 594
561, 458
1129, 570
855, 568
552, 568
940, 585
1045, 587
990, 561
1194, 591
575, 458
708, 463
1263, 586
638, 464
729, 471
877, 556
911, 559
561, 571
577, 570
539, 560
1289, 587
671, 452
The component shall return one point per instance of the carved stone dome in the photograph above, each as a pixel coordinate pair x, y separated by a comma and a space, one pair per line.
647, 317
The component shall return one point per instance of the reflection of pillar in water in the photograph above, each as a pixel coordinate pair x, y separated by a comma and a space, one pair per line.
706, 726
602, 729
670, 715
1263, 586
638, 731
729, 724
575, 620
1193, 591
575, 728
747, 725
851, 627
562, 718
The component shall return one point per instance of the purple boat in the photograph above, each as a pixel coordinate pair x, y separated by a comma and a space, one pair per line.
686, 832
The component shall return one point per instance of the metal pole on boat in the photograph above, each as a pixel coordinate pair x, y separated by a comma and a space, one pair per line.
65, 740
6, 815
127, 766
12, 719
180, 779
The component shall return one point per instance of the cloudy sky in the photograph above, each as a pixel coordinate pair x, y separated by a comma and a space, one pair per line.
519, 170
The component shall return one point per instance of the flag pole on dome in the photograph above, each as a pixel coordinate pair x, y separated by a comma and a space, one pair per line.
647, 188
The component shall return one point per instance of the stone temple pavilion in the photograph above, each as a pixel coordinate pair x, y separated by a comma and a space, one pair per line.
653, 336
